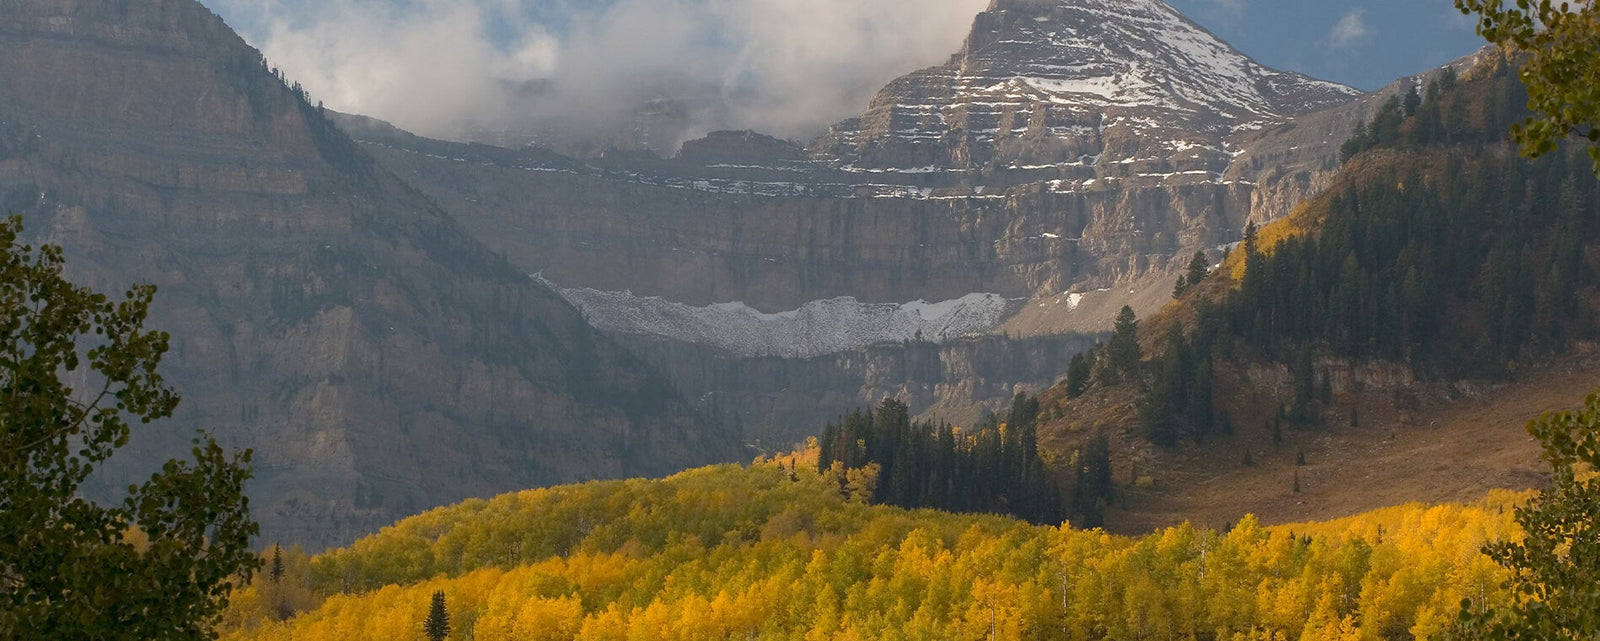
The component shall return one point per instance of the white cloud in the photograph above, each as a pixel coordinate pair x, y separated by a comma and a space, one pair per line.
423, 66
788, 67
1351, 28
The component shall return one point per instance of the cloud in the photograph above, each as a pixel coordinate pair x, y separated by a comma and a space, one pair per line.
787, 67
1351, 28
424, 66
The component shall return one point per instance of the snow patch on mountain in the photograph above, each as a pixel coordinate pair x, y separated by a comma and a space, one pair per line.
1043, 82
816, 328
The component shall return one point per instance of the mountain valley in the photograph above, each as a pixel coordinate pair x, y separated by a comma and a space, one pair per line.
625, 314
1082, 195
1098, 330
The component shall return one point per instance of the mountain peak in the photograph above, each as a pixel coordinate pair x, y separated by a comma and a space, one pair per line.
1039, 82
1131, 52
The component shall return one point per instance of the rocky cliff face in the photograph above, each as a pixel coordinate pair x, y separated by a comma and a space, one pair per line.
778, 402
1071, 146
780, 236
378, 359
1071, 157
1076, 90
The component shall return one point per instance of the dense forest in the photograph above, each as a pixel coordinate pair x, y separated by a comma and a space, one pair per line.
1451, 256
1438, 247
776, 550
994, 468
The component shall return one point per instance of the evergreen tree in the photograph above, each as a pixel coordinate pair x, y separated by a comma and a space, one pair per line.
918, 464
1413, 100
275, 572
1355, 144
1092, 490
1122, 351
1199, 267
1078, 372
1159, 413
437, 625
1304, 384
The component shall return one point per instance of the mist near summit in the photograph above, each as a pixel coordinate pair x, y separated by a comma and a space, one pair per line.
438, 67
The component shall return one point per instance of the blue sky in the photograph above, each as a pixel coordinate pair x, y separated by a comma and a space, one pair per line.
1363, 43
795, 65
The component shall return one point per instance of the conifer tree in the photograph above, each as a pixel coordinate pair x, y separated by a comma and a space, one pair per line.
1199, 267
1078, 372
1122, 351
276, 569
437, 625
1093, 488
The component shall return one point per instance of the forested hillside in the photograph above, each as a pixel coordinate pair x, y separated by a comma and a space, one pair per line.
1438, 254
1438, 249
995, 468
778, 550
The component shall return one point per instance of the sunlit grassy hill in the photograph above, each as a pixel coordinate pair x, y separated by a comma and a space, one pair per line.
776, 550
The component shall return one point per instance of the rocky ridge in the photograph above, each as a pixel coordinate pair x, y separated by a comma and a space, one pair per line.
1071, 152
1078, 90
378, 359
1072, 146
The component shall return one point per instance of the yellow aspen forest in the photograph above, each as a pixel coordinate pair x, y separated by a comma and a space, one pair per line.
775, 550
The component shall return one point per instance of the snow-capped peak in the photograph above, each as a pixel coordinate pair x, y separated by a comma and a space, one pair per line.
1048, 82
1129, 53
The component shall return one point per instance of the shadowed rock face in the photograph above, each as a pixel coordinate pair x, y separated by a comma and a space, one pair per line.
377, 359
778, 402
1071, 146
1074, 147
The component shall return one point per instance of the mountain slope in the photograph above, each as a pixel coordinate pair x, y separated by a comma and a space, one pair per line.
998, 176
1069, 82
965, 179
1394, 332
377, 359
778, 551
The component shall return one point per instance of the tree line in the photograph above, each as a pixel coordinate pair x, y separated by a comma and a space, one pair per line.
1462, 265
1465, 263
994, 468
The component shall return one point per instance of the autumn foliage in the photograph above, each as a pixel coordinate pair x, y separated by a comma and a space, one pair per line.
776, 551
